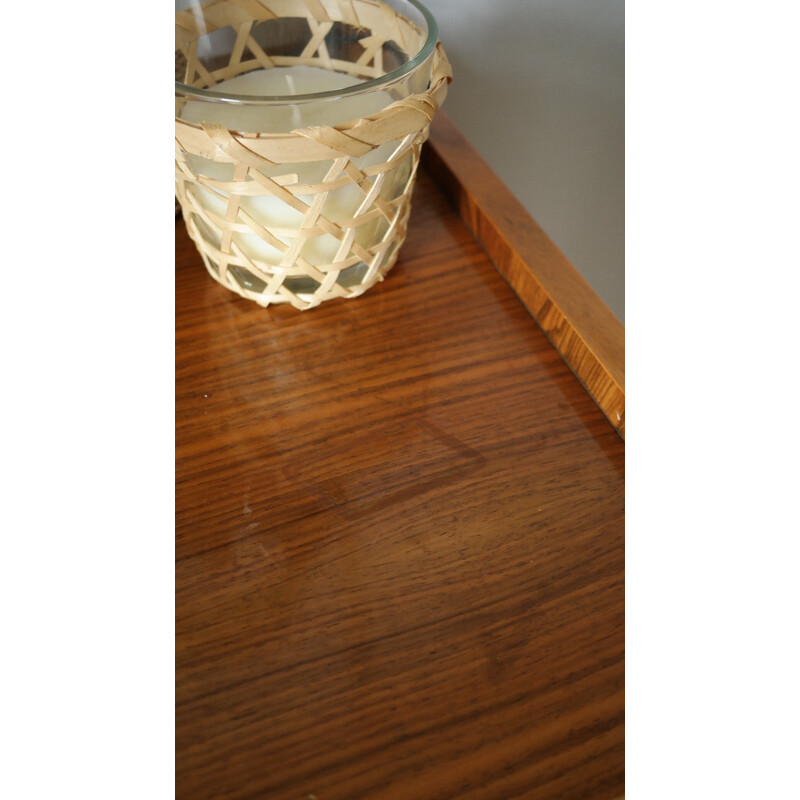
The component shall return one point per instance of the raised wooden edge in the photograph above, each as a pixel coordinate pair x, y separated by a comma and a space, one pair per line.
590, 339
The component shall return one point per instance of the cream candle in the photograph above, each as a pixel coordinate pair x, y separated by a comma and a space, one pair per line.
285, 82
340, 205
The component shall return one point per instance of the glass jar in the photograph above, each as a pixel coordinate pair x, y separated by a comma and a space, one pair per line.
298, 138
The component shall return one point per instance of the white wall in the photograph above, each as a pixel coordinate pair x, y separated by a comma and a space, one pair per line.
539, 91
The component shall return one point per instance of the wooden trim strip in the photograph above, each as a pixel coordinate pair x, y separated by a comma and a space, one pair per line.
590, 339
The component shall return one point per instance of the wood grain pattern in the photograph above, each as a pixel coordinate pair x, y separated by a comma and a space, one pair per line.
582, 328
399, 540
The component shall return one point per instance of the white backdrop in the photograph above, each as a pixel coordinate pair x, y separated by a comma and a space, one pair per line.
539, 91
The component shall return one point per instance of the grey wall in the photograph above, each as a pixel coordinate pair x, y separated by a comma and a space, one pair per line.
539, 91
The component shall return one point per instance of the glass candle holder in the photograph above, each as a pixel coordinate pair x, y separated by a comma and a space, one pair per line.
298, 130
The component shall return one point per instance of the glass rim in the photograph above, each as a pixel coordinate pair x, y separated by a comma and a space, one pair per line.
374, 83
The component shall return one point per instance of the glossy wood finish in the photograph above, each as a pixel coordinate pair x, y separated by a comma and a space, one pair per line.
580, 325
399, 542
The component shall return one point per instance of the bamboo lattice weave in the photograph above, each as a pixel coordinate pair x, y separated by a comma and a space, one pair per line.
222, 174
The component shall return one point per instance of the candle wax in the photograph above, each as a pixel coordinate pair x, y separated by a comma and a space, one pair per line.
340, 204
285, 82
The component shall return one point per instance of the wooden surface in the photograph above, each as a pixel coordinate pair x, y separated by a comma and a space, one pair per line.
581, 327
399, 542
